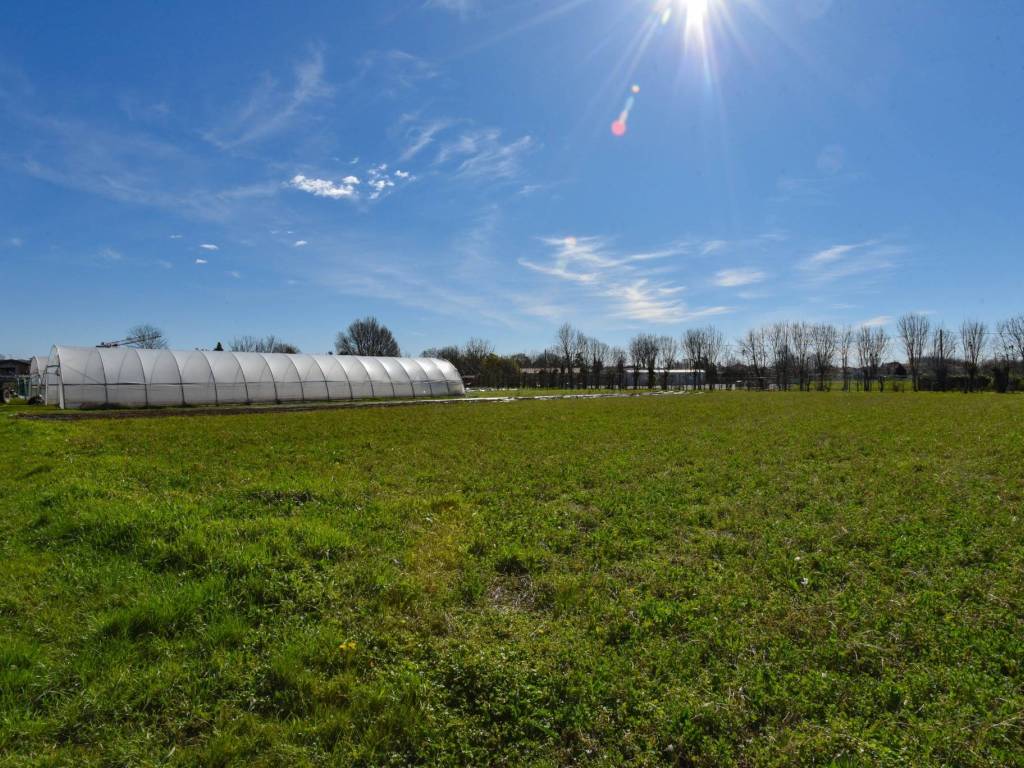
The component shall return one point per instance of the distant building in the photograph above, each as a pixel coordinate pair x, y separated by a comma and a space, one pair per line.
677, 377
11, 369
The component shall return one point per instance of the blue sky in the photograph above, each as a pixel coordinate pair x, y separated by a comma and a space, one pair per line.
449, 167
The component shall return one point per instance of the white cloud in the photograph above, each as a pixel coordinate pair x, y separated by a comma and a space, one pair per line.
300, 243
176, 237
733, 278
164, 264
209, 247
233, 274
378, 182
201, 261
324, 187
109, 254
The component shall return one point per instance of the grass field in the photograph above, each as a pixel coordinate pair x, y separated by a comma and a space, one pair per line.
720, 579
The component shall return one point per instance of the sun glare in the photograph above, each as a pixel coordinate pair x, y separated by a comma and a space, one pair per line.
695, 13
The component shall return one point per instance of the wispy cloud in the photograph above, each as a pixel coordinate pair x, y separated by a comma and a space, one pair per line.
733, 278
831, 159
846, 260
623, 281
712, 246
559, 270
270, 107
176, 237
15, 242
481, 154
210, 247
418, 135
461, 7
656, 303
201, 261
300, 243
392, 71
874, 322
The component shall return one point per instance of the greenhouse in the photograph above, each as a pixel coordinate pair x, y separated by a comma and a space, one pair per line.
96, 377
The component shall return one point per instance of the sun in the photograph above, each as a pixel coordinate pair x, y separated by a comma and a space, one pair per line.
696, 13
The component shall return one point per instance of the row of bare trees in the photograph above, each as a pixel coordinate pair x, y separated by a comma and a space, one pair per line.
782, 356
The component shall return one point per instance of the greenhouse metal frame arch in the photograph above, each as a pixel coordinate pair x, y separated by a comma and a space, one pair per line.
97, 377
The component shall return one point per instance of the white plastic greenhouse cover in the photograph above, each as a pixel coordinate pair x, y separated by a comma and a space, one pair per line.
92, 377
37, 366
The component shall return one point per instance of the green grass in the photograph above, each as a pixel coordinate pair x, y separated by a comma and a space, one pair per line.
720, 579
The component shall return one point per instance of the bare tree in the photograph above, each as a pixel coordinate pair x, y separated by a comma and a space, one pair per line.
650, 346
619, 359
972, 341
146, 336
583, 359
599, 355
754, 350
261, 344
554, 357
800, 334
568, 340
845, 342
824, 339
943, 349
1004, 356
474, 353
695, 348
636, 358
1014, 330
778, 345
668, 354
914, 331
450, 353
367, 336
872, 345
714, 348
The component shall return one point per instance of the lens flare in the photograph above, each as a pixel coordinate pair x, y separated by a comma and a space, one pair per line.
619, 126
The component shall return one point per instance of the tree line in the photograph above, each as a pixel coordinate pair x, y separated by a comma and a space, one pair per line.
365, 336
779, 356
